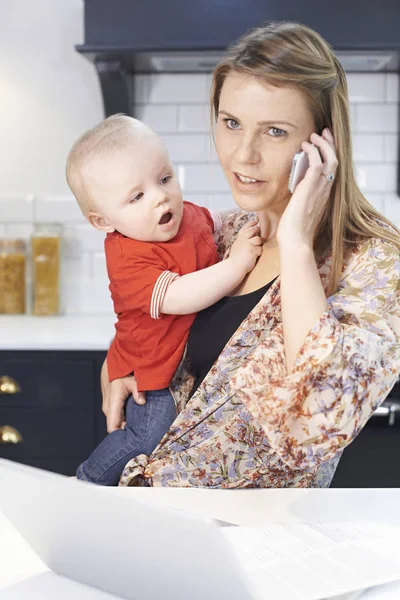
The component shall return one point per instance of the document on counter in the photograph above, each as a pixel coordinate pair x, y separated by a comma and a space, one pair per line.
317, 560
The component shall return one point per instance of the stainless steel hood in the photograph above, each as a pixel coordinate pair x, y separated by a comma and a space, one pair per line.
353, 61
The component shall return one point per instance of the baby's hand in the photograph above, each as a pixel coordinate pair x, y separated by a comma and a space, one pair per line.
247, 247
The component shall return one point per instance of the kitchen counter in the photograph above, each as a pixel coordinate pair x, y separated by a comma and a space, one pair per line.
62, 332
241, 507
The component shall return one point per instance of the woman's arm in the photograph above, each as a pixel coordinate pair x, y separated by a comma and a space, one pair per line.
302, 297
348, 363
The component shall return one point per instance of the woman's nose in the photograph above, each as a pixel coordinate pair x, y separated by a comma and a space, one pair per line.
247, 152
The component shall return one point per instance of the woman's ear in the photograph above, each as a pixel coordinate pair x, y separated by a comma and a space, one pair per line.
100, 222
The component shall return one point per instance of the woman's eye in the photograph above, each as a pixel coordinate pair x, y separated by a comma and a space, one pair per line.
135, 198
280, 132
231, 123
165, 179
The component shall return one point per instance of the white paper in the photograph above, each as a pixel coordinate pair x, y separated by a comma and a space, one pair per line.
316, 560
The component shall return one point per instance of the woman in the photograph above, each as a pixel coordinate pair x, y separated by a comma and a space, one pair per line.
287, 371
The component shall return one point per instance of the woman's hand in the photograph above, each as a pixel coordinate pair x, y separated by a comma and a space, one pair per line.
114, 395
302, 215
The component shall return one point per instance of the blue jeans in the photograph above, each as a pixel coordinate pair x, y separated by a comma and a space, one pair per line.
145, 426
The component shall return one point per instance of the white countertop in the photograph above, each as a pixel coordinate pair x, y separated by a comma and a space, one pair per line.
62, 332
244, 507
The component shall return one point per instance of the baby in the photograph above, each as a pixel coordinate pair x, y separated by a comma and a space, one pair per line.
163, 267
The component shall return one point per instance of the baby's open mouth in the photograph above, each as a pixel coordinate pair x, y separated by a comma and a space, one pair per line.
165, 218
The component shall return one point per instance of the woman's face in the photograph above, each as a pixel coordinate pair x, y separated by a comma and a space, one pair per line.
259, 130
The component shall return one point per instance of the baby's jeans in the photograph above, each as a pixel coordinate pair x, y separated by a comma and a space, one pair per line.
145, 426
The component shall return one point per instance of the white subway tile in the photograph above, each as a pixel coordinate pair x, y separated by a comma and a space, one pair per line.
366, 87
71, 295
82, 238
99, 270
376, 178
199, 199
178, 88
140, 84
19, 230
163, 119
368, 148
353, 115
379, 118
391, 148
186, 148
209, 77
16, 208
96, 298
377, 201
204, 178
73, 269
392, 208
212, 156
57, 210
194, 118
75, 274
180, 171
221, 202
392, 87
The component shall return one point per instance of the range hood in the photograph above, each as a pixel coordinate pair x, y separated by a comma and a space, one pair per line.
198, 62
178, 36
124, 37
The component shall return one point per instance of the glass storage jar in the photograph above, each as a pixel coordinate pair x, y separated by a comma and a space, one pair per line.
46, 241
12, 276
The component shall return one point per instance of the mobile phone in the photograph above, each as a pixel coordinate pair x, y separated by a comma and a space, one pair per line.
299, 167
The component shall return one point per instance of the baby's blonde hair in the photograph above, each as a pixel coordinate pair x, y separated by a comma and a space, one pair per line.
107, 136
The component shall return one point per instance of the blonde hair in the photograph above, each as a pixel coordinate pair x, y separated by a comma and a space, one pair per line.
107, 136
289, 53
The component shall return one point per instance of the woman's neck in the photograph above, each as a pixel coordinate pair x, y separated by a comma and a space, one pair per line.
269, 222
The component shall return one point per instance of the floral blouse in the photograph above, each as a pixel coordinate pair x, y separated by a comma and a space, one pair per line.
253, 424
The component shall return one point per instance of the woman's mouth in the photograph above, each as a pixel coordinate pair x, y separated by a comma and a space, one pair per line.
243, 182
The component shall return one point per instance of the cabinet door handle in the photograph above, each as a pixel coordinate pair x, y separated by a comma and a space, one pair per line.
8, 385
9, 435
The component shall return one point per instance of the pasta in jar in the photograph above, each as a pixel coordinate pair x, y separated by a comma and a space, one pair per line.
12, 276
46, 270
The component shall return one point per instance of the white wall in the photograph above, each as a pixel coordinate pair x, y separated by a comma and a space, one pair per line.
50, 94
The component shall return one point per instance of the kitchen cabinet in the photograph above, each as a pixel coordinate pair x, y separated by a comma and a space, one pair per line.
372, 459
57, 408
57, 411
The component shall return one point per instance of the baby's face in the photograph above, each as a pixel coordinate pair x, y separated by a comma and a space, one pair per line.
137, 192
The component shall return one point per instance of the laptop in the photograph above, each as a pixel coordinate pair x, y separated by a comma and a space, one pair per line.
101, 545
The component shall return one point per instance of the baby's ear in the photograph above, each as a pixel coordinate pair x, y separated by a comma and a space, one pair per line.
100, 222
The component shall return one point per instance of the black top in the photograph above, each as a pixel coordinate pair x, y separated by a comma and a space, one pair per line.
214, 326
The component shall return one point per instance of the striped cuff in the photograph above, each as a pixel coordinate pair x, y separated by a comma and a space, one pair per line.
216, 217
159, 291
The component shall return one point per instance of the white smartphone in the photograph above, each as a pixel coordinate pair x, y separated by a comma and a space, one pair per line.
299, 168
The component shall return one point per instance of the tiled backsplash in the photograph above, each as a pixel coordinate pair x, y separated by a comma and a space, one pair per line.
177, 107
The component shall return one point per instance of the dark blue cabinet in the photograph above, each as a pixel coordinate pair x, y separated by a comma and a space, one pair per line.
57, 410
58, 413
